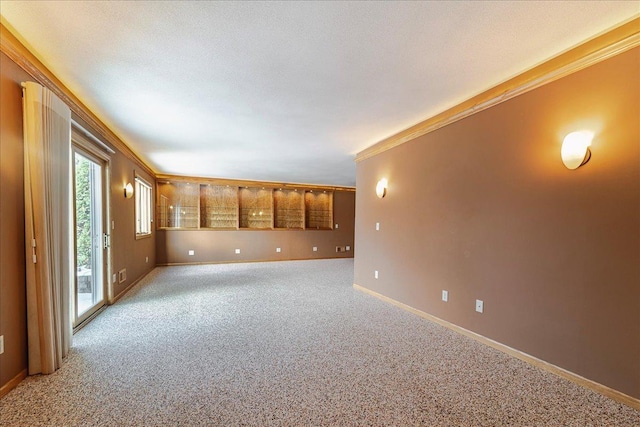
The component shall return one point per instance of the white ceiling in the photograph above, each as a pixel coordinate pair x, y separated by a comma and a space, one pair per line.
289, 91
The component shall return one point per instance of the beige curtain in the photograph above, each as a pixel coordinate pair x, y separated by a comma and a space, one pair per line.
47, 186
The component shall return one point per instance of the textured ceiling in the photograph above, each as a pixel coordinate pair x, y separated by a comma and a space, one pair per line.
288, 91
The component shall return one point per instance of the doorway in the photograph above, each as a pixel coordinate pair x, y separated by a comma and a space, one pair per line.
90, 235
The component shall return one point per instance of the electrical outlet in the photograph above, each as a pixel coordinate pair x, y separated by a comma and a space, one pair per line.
348, 248
278, 250
375, 274
192, 252
146, 259
336, 226
114, 278
1, 344
237, 251
377, 226
445, 296
315, 249
479, 306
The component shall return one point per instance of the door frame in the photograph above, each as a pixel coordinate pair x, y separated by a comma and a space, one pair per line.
86, 148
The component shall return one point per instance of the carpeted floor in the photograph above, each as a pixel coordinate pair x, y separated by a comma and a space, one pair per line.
288, 344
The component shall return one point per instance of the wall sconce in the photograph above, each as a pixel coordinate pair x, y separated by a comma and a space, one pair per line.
128, 191
381, 188
575, 149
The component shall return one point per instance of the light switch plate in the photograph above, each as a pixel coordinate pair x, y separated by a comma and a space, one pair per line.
1, 344
375, 274
479, 306
278, 250
445, 295
377, 226
315, 249
336, 226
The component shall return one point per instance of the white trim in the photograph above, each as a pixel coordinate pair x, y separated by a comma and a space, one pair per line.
92, 138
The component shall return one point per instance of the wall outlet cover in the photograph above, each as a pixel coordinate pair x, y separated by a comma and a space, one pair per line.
1, 344
315, 249
377, 226
192, 252
479, 306
445, 296
375, 274
348, 248
278, 250
237, 251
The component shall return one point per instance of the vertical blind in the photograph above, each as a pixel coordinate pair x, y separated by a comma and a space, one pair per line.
47, 187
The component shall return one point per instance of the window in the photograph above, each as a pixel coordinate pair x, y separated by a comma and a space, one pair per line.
143, 208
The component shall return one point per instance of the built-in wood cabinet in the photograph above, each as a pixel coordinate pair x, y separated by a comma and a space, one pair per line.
213, 205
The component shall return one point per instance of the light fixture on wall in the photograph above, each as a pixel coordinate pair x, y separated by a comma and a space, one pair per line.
575, 149
128, 191
381, 188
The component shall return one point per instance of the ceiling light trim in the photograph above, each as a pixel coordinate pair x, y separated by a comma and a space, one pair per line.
593, 51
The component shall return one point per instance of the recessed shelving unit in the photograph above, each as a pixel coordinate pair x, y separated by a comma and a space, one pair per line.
218, 206
318, 210
179, 205
288, 209
256, 208
210, 204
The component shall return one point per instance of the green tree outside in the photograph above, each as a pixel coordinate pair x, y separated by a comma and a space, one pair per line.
83, 211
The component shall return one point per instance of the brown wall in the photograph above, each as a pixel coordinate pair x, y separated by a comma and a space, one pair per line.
13, 313
485, 209
260, 245
127, 252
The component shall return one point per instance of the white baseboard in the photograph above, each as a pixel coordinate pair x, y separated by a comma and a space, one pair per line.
561, 372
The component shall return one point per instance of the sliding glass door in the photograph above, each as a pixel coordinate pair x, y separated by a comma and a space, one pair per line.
91, 241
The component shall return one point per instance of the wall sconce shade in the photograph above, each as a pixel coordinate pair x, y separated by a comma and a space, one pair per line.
575, 149
128, 191
381, 188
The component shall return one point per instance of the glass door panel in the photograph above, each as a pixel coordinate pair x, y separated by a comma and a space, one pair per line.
89, 235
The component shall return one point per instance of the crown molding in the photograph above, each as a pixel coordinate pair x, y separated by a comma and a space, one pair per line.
593, 51
16, 50
251, 183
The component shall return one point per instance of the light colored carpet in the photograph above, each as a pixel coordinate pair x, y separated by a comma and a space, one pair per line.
288, 344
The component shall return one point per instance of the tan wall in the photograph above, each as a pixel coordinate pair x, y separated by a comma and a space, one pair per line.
127, 252
260, 245
485, 209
